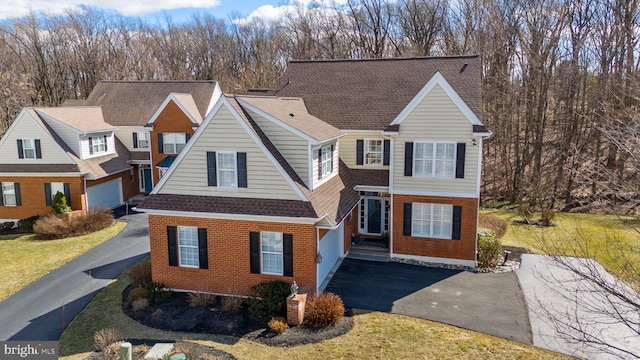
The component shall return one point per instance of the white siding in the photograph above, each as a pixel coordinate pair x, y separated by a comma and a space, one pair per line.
84, 145
348, 149
125, 135
436, 118
66, 133
294, 148
224, 132
26, 127
315, 165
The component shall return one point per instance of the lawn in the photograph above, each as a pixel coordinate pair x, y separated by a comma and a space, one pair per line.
375, 336
23, 259
605, 238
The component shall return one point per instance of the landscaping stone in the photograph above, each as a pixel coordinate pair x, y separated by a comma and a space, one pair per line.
159, 351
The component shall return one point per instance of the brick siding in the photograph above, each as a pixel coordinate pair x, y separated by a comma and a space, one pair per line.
33, 198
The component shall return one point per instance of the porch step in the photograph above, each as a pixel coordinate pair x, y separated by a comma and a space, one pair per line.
368, 253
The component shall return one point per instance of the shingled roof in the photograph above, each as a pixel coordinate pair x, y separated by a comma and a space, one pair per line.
133, 103
369, 94
82, 118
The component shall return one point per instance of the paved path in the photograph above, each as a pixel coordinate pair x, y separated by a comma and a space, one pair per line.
36, 312
489, 303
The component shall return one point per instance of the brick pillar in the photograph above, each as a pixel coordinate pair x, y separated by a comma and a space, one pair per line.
295, 309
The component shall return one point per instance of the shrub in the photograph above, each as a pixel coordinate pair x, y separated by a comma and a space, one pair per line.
157, 292
51, 227
526, 212
200, 299
139, 304
140, 274
278, 325
324, 310
231, 303
491, 222
97, 219
26, 224
59, 204
103, 339
137, 293
547, 216
489, 250
270, 298
55, 227
6, 226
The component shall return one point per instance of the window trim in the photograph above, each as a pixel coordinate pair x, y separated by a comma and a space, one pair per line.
97, 142
281, 253
366, 150
326, 162
32, 142
54, 192
175, 144
432, 173
196, 247
13, 188
234, 155
431, 220
140, 139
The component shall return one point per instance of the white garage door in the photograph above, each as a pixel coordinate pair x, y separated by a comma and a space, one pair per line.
108, 194
329, 249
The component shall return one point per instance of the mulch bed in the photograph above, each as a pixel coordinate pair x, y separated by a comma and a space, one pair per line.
177, 315
192, 350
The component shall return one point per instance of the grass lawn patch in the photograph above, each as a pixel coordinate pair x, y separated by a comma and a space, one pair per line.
605, 238
23, 259
375, 336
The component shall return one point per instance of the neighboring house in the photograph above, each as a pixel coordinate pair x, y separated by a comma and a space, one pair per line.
273, 183
101, 151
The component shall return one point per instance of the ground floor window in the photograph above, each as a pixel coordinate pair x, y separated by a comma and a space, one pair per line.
9, 194
188, 246
432, 220
271, 252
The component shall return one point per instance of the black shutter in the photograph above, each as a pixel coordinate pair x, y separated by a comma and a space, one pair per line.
319, 163
287, 254
172, 240
460, 160
241, 159
38, 150
408, 159
359, 152
47, 193
90, 146
20, 150
186, 138
457, 222
16, 187
1, 198
106, 148
254, 252
160, 143
203, 252
332, 147
67, 193
386, 152
135, 140
212, 179
406, 219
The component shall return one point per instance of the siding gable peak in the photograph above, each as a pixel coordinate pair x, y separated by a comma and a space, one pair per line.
186, 104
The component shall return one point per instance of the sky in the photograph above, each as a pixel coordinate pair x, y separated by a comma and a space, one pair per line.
153, 10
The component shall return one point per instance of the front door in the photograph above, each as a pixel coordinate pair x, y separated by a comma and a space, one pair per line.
145, 178
374, 215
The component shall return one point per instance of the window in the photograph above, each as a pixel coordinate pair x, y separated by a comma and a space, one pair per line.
29, 148
326, 160
162, 171
226, 165
435, 159
9, 194
373, 152
173, 143
188, 246
56, 188
142, 139
98, 144
432, 220
271, 252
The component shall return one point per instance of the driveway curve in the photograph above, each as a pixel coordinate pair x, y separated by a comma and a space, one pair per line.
42, 310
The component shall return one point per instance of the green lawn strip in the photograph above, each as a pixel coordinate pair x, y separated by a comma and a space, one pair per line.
375, 336
605, 238
23, 259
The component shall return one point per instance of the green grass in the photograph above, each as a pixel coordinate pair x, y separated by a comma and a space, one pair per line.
611, 240
23, 259
375, 336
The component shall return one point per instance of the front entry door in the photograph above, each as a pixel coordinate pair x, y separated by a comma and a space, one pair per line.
145, 178
373, 216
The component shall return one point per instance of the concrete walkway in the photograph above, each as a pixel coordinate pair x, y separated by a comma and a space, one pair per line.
563, 307
42, 310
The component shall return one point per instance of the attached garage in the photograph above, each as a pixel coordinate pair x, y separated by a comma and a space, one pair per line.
107, 194
330, 248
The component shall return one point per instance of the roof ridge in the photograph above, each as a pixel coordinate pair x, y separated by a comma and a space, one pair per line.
389, 59
157, 81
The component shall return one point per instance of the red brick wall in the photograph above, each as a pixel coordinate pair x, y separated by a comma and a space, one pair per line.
170, 120
33, 199
229, 261
463, 249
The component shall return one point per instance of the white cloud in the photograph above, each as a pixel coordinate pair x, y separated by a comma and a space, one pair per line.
18, 8
270, 13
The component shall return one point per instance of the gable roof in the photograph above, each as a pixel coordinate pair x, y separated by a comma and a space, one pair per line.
186, 104
84, 119
133, 103
369, 94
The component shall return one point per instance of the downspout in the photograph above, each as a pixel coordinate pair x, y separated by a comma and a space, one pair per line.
317, 247
390, 233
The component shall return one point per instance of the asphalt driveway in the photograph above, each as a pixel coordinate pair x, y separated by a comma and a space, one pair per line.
493, 304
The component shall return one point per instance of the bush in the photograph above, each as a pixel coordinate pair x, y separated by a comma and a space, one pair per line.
140, 274
59, 204
526, 212
200, 299
157, 292
51, 227
231, 303
139, 304
491, 222
270, 298
137, 293
547, 216
489, 250
6, 226
278, 325
26, 224
324, 310
103, 339
55, 227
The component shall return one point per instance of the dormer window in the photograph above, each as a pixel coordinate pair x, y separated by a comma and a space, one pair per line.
98, 144
326, 161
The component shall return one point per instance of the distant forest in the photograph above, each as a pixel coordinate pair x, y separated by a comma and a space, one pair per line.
560, 78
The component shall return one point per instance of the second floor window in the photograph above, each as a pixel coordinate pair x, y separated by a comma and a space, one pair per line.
373, 152
326, 161
29, 148
142, 139
97, 144
227, 169
173, 143
432, 159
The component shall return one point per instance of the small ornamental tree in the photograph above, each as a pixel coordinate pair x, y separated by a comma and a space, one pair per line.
59, 203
